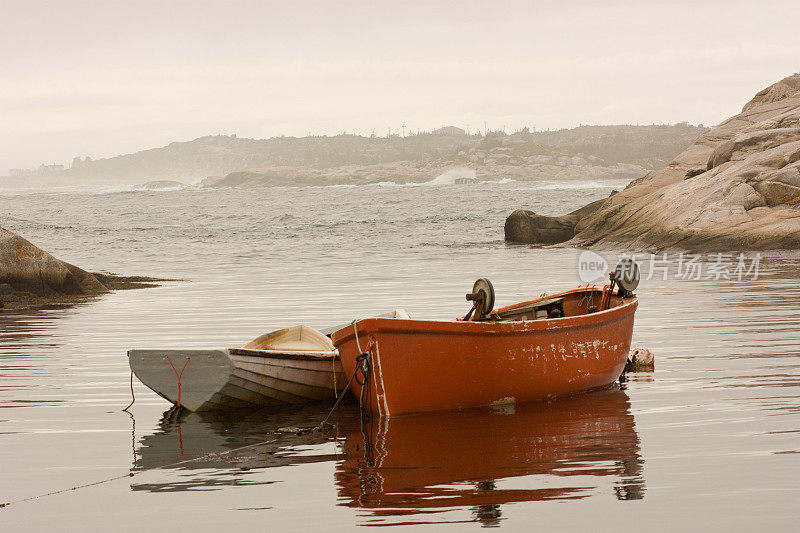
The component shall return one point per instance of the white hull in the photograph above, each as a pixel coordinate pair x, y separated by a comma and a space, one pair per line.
220, 379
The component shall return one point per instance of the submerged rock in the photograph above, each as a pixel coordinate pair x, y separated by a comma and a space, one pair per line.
737, 187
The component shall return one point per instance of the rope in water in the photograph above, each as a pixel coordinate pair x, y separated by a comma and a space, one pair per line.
133, 396
131, 474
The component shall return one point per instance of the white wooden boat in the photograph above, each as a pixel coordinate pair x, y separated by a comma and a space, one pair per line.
289, 366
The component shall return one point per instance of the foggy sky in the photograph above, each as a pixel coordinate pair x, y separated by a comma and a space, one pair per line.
105, 78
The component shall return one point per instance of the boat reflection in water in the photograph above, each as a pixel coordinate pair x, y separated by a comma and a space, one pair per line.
399, 467
217, 449
478, 459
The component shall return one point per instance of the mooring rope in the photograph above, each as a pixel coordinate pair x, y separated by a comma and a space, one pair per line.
359, 366
133, 396
131, 474
355, 333
362, 363
333, 369
179, 376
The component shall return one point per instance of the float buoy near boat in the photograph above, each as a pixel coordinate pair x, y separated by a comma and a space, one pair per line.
640, 359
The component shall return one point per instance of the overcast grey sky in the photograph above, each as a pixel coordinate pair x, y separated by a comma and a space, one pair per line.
104, 78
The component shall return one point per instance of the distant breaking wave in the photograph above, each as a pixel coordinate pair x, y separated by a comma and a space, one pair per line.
450, 177
580, 184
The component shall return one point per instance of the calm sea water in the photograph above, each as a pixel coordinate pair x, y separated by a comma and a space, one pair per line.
710, 441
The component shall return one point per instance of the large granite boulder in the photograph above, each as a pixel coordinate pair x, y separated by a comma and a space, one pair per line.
523, 226
526, 226
29, 269
736, 188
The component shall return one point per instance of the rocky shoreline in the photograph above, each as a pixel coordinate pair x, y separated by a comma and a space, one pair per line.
484, 166
736, 188
31, 277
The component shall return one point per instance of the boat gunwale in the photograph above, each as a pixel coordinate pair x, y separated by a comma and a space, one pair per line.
303, 355
506, 327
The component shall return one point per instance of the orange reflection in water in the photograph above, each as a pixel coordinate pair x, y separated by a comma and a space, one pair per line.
419, 464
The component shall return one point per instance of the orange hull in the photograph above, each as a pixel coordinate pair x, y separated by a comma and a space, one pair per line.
423, 365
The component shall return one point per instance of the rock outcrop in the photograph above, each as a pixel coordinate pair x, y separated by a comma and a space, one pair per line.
31, 276
160, 185
27, 268
525, 226
488, 168
736, 188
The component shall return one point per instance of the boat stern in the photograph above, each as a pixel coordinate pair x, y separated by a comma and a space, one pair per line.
189, 377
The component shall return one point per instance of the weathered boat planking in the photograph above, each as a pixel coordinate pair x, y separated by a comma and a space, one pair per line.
516, 354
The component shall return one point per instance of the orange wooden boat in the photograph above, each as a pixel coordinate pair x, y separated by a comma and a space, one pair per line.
558, 345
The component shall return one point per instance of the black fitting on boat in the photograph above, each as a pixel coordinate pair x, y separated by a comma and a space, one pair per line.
363, 365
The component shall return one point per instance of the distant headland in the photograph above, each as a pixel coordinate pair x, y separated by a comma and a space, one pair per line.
585, 152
